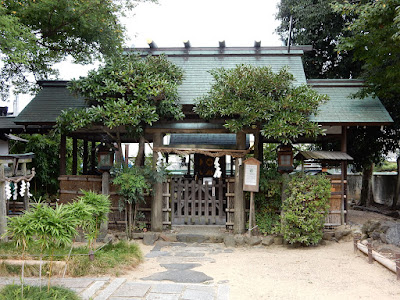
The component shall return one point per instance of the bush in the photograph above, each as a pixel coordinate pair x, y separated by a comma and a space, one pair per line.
13, 291
305, 209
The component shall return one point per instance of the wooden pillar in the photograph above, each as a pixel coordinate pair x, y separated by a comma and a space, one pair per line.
3, 200
63, 154
239, 225
85, 158
74, 156
93, 157
343, 148
126, 155
258, 146
156, 203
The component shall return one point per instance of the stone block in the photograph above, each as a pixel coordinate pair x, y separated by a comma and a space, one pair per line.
267, 240
229, 241
168, 237
327, 236
278, 240
239, 240
137, 235
252, 240
149, 238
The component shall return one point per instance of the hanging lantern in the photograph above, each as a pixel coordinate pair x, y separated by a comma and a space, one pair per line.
105, 157
285, 159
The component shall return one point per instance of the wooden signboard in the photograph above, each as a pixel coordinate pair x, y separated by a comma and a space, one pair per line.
251, 175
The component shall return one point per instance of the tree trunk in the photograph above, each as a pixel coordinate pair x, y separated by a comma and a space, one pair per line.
367, 197
139, 161
397, 190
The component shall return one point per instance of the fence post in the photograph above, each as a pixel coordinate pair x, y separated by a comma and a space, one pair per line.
370, 258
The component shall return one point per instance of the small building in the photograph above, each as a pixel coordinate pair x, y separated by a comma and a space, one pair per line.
195, 197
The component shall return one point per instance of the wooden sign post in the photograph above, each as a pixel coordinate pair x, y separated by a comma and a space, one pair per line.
251, 184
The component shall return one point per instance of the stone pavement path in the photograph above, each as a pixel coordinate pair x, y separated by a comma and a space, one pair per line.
178, 281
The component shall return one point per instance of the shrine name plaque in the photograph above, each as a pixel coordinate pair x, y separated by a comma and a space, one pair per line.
251, 175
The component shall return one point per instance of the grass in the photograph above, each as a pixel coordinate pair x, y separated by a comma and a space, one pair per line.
14, 292
112, 259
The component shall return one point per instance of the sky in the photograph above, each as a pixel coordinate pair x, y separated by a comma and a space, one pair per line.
204, 23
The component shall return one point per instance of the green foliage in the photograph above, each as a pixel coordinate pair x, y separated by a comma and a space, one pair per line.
14, 292
111, 258
37, 34
268, 201
43, 225
249, 96
90, 210
315, 23
305, 209
127, 91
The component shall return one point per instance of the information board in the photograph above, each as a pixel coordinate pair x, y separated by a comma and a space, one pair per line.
251, 175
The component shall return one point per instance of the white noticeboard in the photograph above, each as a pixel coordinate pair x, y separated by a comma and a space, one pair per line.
251, 175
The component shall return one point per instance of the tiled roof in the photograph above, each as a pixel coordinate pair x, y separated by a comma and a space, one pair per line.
7, 124
342, 108
197, 62
323, 155
48, 104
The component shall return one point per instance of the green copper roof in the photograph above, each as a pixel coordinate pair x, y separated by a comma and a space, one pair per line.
197, 62
48, 103
343, 109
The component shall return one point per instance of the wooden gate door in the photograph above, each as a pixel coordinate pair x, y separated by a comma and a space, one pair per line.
195, 203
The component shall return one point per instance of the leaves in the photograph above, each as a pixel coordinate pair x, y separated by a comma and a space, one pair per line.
255, 96
305, 208
127, 91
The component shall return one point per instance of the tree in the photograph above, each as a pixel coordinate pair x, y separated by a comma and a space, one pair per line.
127, 92
249, 96
316, 23
36, 34
374, 39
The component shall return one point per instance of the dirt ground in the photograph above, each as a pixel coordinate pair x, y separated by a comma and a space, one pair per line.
331, 271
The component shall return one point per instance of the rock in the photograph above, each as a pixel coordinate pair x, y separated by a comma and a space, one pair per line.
239, 240
393, 234
338, 235
137, 235
229, 241
364, 242
121, 235
327, 236
376, 235
109, 238
278, 240
149, 238
322, 242
383, 238
191, 238
386, 225
168, 237
218, 238
370, 226
252, 240
267, 240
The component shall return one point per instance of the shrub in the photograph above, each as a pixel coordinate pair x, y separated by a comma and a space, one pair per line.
11, 292
305, 209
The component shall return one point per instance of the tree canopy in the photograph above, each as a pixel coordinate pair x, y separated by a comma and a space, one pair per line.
127, 91
35, 34
316, 23
249, 96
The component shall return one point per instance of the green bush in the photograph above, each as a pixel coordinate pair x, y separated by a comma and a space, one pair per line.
305, 209
13, 291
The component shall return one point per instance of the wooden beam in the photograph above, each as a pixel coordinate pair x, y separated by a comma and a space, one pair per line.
85, 157
93, 157
74, 156
63, 154
156, 203
239, 226
3, 206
